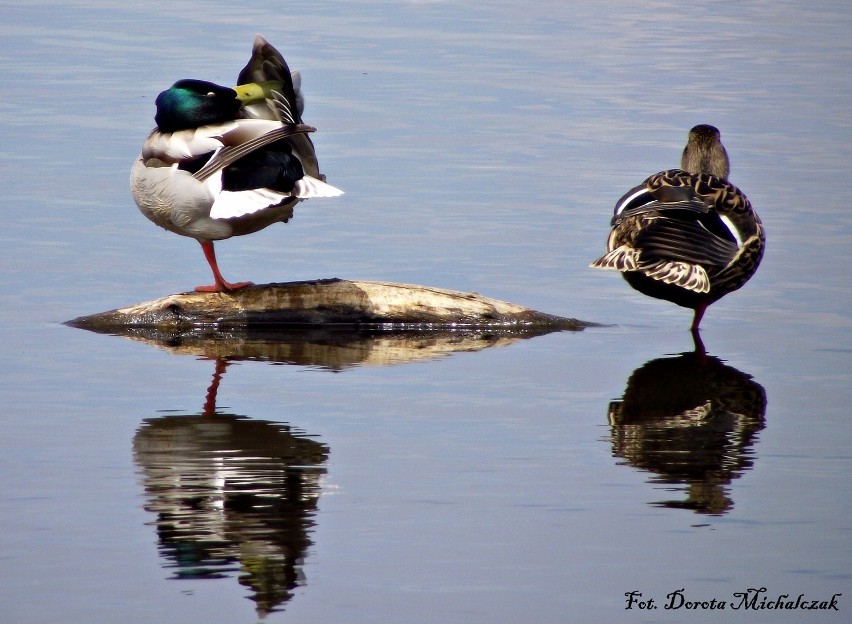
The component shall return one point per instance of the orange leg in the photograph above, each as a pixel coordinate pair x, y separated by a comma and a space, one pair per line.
221, 285
699, 313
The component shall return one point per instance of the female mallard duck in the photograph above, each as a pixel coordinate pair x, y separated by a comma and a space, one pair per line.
227, 162
687, 235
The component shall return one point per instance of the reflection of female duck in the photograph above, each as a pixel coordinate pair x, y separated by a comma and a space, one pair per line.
231, 493
686, 235
691, 420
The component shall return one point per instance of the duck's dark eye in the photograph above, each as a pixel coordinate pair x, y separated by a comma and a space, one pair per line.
211, 94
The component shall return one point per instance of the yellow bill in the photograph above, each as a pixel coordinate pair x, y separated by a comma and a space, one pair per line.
255, 91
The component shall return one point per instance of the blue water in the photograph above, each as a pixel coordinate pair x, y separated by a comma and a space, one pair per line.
481, 149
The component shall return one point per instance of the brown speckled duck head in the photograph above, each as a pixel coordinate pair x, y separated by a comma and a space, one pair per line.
704, 152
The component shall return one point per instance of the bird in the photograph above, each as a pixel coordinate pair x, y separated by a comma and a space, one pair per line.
224, 161
688, 235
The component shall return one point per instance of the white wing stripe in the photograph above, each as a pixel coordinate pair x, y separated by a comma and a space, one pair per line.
733, 229
309, 186
230, 204
626, 201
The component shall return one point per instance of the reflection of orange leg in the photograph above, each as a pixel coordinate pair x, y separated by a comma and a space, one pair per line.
209, 408
221, 285
699, 344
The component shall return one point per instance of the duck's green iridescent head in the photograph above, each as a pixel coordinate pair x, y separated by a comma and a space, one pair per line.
194, 103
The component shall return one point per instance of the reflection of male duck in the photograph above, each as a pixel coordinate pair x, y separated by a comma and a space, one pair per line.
691, 420
231, 494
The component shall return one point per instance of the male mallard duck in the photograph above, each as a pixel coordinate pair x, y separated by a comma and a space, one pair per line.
226, 162
687, 235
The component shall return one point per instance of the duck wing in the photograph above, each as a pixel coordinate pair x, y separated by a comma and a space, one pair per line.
268, 65
644, 200
263, 172
679, 235
675, 223
232, 153
285, 104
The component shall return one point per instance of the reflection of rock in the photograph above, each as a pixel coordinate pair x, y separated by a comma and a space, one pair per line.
691, 420
335, 349
231, 496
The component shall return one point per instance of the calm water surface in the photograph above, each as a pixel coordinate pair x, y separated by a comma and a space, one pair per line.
481, 149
